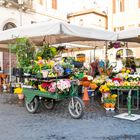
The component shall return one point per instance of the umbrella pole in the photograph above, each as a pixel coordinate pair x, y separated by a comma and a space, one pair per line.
10, 64
106, 58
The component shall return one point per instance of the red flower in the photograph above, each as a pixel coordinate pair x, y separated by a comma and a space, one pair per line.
45, 85
116, 79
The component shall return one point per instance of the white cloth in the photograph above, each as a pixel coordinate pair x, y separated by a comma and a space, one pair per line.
119, 66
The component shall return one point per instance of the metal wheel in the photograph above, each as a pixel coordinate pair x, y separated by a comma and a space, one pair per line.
32, 106
48, 103
76, 107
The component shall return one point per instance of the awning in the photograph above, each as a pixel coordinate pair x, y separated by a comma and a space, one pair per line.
56, 32
130, 35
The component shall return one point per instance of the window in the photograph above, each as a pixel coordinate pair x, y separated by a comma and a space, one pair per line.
119, 53
9, 25
129, 53
131, 26
41, 2
54, 4
114, 6
121, 5
115, 29
121, 28
81, 22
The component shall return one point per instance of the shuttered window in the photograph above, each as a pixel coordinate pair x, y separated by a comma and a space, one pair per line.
114, 6
121, 5
54, 4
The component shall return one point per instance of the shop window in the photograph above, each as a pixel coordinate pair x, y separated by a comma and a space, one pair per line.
54, 4
9, 25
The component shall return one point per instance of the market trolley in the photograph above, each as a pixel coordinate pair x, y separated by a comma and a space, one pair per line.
34, 96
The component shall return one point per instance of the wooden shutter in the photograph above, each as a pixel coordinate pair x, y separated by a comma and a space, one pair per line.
54, 4
121, 5
114, 6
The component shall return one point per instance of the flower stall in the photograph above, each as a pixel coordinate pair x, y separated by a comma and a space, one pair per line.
124, 88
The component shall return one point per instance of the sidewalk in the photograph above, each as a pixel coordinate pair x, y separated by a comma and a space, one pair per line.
8, 98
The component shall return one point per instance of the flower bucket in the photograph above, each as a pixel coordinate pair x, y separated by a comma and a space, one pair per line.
93, 86
20, 96
45, 73
67, 71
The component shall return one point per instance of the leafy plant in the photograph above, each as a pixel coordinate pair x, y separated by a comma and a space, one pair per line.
46, 52
24, 51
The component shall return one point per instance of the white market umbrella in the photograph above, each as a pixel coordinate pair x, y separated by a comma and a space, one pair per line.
56, 32
129, 35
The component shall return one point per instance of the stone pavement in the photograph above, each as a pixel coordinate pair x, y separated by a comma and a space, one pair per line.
96, 124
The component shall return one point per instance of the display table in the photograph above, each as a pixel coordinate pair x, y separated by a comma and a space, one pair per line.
129, 91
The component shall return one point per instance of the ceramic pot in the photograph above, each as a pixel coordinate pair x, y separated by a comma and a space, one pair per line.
20, 96
45, 73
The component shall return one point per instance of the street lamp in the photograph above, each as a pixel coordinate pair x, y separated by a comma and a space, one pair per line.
20, 2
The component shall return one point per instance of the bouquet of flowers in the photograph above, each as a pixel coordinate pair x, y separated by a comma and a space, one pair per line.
60, 86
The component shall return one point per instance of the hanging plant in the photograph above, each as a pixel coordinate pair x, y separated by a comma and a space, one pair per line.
115, 45
46, 52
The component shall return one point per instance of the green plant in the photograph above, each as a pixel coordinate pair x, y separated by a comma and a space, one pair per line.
24, 51
46, 52
67, 65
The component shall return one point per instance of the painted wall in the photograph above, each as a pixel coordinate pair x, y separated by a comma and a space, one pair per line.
89, 20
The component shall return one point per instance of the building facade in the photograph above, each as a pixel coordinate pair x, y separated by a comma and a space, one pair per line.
89, 18
126, 14
22, 13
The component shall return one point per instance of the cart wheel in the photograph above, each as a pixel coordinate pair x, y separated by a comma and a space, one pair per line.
48, 103
32, 106
76, 107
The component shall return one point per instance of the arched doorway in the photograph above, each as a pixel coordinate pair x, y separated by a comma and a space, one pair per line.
9, 25
124, 53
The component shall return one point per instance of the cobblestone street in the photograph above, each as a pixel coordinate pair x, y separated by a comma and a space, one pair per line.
17, 124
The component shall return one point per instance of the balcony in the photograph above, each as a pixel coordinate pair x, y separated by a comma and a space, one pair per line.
26, 4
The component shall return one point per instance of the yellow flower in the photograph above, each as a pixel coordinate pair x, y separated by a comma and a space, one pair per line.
41, 89
128, 71
18, 90
39, 58
113, 96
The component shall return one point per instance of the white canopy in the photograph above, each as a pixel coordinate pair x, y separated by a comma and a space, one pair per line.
130, 35
56, 32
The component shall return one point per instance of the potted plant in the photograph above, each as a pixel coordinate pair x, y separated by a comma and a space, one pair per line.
24, 51
19, 91
110, 101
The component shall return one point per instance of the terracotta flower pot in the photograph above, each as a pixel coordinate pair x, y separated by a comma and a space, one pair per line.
20, 96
